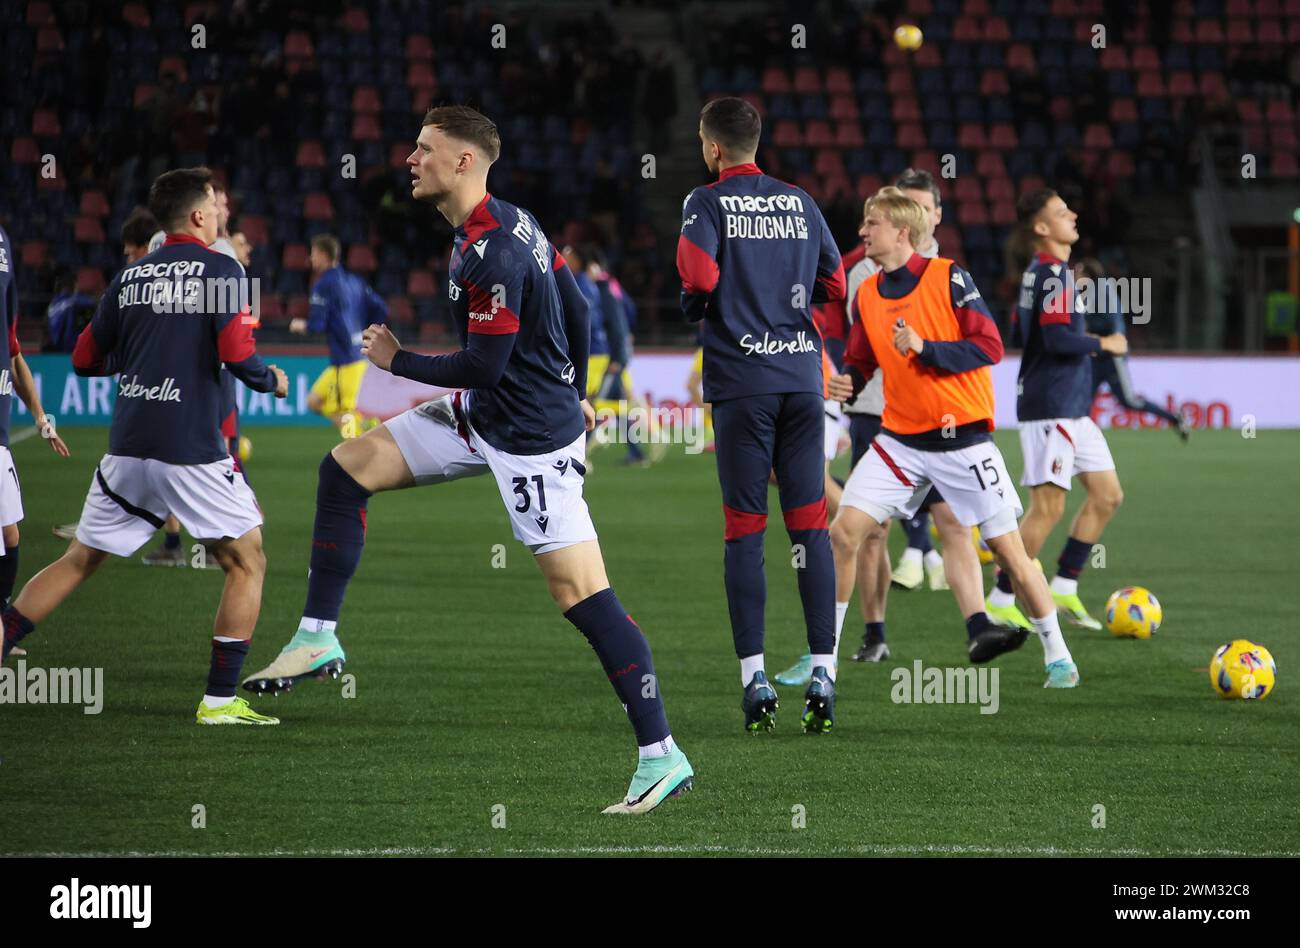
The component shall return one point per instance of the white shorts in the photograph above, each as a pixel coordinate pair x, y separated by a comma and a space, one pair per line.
891, 480
1056, 449
542, 492
11, 492
130, 498
834, 429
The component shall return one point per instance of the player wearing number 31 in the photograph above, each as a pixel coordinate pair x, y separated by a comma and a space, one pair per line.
923, 323
520, 415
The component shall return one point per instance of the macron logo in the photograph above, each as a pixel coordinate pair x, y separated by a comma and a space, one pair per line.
74, 900
481, 247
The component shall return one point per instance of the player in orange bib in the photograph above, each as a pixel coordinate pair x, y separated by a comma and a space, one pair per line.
924, 324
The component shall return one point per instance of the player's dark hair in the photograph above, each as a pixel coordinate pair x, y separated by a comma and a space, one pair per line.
467, 125
139, 227
176, 193
918, 179
328, 244
1020, 245
734, 124
591, 253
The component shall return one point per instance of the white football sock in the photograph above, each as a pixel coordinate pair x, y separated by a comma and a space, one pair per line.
748, 666
213, 701
825, 661
841, 610
1049, 631
1001, 599
933, 559
316, 626
910, 555
1063, 586
657, 749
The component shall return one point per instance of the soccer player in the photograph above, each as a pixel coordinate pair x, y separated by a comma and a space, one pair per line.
342, 304
1112, 370
15, 376
164, 451
523, 420
923, 323
754, 254
1058, 438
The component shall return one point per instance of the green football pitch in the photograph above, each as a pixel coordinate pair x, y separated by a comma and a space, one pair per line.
480, 722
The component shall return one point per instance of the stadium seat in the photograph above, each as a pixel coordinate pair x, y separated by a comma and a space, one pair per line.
298, 45
297, 307
94, 204
295, 257
356, 20
45, 124
90, 280
39, 14
400, 311
310, 155
35, 254
317, 207
88, 230
366, 99
420, 285
361, 259
775, 81
365, 128
24, 152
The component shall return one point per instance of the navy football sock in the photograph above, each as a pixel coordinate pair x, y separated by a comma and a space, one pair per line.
8, 573
16, 628
1004, 581
1073, 558
918, 532
337, 540
875, 633
171, 541
976, 624
746, 583
223, 672
817, 588
625, 655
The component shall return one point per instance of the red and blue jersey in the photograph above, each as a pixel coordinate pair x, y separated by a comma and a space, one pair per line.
755, 255
8, 331
1055, 369
342, 306
523, 325
167, 323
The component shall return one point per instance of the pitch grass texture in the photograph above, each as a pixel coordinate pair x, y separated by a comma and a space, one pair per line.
472, 691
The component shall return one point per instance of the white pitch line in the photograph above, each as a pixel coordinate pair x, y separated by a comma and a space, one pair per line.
933, 849
21, 436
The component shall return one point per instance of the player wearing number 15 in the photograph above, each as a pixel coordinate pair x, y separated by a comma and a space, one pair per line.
923, 323
521, 416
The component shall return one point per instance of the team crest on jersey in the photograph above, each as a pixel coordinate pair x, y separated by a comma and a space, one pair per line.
453, 291
1057, 466
568, 374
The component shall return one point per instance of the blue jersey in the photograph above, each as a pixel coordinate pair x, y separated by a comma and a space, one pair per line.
8, 331
1055, 368
167, 323
342, 306
61, 319
599, 340
754, 255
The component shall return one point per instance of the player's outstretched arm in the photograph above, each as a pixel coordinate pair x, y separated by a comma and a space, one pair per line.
25, 386
479, 365
237, 349
980, 344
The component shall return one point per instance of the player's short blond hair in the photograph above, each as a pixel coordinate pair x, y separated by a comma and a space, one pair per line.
901, 211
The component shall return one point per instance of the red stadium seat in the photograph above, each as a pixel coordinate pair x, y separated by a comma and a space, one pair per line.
1284, 165
137, 15
1001, 189
173, 66
996, 30
1283, 138
775, 81
365, 128
421, 285
1114, 57
419, 46
1003, 136
1240, 33
295, 257
948, 236
39, 14
928, 57
94, 204
1021, 58
977, 8
899, 82
310, 154
88, 230
867, 185
45, 124
1271, 33
1182, 85
356, 20
90, 280
1061, 109
971, 135
994, 82
968, 188
787, 135
813, 185
398, 153
1279, 110
361, 259
49, 40
966, 29
317, 207
1212, 86
1293, 32
297, 45
1209, 31
818, 134
838, 81
1150, 85
844, 108
1239, 8
927, 160
1183, 33
1119, 164
990, 164
57, 183
400, 311
144, 92
974, 214
1097, 135
24, 152
829, 163
904, 109
271, 310
35, 254
254, 228
849, 135
419, 76
298, 307
1003, 214
1249, 112
1123, 111
807, 81
911, 136
1030, 182
366, 99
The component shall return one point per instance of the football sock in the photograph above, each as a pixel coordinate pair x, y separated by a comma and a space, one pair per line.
315, 633
657, 749
1049, 631
827, 662
17, 627
8, 573
1073, 558
171, 541
911, 555
875, 633
1004, 585
749, 666
976, 624
625, 655
841, 610
223, 673
742, 567
338, 537
806, 526
1001, 599
918, 532
933, 559
1064, 587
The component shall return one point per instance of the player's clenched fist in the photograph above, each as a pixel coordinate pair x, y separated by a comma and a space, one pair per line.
1116, 343
281, 381
905, 338
840, 387
379, 345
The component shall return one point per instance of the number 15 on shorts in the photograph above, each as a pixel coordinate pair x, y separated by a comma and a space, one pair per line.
988, 468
